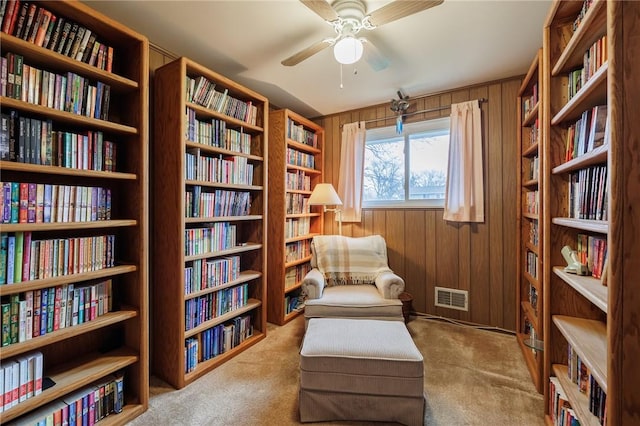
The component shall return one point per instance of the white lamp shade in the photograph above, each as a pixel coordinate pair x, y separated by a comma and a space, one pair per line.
348, 50
324, 195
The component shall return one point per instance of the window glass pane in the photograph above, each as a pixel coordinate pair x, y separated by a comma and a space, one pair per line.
384, 170
428, 165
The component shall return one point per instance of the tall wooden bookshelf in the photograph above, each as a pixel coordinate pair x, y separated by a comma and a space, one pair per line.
598, 322
529, 287
200, 166
116, 342
295, 167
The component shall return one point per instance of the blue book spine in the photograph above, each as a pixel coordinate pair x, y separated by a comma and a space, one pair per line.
43, 311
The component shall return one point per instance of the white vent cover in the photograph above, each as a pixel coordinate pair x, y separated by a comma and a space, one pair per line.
453, 299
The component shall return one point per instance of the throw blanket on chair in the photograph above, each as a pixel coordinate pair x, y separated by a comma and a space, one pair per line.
350, 260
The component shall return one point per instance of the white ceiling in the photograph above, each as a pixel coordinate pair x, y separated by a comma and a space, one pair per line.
455, 44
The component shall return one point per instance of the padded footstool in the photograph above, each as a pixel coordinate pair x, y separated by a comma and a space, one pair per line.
359, 369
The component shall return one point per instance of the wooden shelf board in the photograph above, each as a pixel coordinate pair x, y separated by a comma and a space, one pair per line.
531, 150
592, 27
298, 191
597, 156
589, 339
293, 287
530, 118
594, 92
237, 249
66, 171
68, 332
223, 151
589, 287
222, 218
579, 401
532, 248
230, 120
96, 224
530, 360
531, 314
302, 147
531, 216
245, 276
251, 305
531, 183
66, 279
129, 412
71, 376
208, 365
291, 315
533, 281
307, 170
233, 186
548, 421
599, 226
300, 215
297, 262
301, 237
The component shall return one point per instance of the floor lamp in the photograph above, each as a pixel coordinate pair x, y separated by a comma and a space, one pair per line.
324, 195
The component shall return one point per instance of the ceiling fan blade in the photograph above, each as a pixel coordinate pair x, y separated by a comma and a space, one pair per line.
322, 8
372, 55
399, 9
296, 58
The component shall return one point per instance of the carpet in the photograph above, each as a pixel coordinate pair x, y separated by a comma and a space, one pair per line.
472, 377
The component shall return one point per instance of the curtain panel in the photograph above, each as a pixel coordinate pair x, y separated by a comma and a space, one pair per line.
352, 170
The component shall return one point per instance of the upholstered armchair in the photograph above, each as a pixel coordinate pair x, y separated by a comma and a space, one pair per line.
351, 278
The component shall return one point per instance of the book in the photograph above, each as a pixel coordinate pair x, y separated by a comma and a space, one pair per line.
28, 21
43, 27
4, 137
20, 20
34, 25
11, 11
3, 258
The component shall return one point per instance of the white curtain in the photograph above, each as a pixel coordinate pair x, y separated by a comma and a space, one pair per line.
464, 196
352, 170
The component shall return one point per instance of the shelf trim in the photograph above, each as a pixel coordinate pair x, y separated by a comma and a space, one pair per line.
59, 226
593, 88
302, 146
597, 156
300, 237
533, 281
224, 117
531, 150
307, 170
245, 276
250, 306
222, 218
531, 116
234, 186
299, 215
599, 226
297, 262
223, 151
66, 171
531, 183
237, 249
588, 286
530, 313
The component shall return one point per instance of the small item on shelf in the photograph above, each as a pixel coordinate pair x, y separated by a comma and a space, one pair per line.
573, 263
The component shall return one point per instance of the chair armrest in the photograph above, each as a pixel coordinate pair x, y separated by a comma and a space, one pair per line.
313, 284
389, 285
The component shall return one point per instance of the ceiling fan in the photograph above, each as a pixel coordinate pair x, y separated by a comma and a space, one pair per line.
348, 18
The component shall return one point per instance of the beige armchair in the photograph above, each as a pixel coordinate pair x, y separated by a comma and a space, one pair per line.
351, 278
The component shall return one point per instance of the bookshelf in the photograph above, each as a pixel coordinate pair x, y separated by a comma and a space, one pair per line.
292, 223
86, 207
590, 198
209, 250
529, 286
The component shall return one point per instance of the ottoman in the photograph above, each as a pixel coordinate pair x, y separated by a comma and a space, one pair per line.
360, 369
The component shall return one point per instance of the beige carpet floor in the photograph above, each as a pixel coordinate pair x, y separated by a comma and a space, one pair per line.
472, 377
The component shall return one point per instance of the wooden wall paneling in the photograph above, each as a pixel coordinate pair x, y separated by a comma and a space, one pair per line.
395, 237
494, 204
447, 252
432, 102
479, 292
414, 257
379, 223
430, 259
445, 101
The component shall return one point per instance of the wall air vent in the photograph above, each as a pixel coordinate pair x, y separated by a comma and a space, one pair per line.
453, 299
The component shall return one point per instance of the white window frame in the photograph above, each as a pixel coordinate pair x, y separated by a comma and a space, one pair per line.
433, 125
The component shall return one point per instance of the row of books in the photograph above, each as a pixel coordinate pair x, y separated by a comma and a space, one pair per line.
37, 25
219, 236
298, 181
84, 407
27, 202
38, 312
298, 133
588, 194
23, 258
592, 251
20, 379
68, 92
534, 168
212, 305
297, 203
216, 204
296, 227
534, 234
210, 273
214, 132
294, 274
234, 170
293, 302
532, 264
559, 406
201, 91
30, 140
534, 132
532, 202
216, 340
530, 102
586, 4
587, 133
297, 250
297, 158
533, 298
594, 57
580, 374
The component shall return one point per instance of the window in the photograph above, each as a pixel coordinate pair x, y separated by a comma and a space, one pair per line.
408, 170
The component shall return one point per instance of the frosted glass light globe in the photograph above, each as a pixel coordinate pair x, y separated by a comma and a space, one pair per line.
348, 50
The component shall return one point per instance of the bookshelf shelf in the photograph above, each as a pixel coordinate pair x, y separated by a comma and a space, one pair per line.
290, 185
291, 288
579, 400
182, 86
530, 184
578, 310
116, 341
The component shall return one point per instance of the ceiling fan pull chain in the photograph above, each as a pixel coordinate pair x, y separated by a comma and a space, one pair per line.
341, 85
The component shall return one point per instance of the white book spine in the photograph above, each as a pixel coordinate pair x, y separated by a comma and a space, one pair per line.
37, 373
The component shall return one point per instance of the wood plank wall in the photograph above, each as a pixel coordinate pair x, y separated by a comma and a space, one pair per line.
424, 249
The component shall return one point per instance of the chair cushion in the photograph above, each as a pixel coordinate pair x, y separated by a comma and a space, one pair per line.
354, 301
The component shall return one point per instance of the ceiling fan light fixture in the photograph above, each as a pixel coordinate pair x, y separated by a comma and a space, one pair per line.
348, 50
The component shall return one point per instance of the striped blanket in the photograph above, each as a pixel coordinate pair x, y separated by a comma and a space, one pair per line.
348, 260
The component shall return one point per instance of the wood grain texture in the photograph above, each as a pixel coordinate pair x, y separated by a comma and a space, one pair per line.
435, 252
